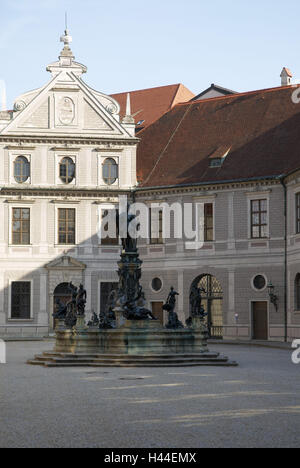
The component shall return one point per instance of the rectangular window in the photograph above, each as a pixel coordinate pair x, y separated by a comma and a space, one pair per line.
208, 222
259, 219
20, 300
66, 226
113, 239
298, 213
21, 226
156, 226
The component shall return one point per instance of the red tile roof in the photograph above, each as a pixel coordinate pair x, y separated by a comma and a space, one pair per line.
261, 128
150, 104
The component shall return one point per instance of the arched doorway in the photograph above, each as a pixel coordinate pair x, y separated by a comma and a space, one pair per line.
212, 302
62, 293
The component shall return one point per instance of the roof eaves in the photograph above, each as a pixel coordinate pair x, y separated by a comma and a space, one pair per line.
217, 182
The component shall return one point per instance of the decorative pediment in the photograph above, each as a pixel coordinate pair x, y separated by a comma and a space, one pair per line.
66, 106
65, 263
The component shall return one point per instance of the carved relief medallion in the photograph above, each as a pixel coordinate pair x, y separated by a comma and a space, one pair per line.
66, 111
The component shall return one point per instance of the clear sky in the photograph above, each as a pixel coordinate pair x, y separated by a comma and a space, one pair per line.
136, 44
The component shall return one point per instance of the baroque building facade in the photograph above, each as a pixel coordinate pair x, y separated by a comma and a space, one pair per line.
65, 155
66, 158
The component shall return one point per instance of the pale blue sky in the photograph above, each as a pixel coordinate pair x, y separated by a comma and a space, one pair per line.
129, 45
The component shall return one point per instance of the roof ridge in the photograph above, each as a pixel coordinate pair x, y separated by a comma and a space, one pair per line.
147, 89
246, 93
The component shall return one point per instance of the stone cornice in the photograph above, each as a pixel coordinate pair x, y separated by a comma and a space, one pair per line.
57, 140
59, 192
203, 189
86, 192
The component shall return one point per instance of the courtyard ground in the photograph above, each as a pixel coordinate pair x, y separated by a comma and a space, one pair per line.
254, 405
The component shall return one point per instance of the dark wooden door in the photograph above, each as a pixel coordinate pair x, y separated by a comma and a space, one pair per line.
260, 320
157, 311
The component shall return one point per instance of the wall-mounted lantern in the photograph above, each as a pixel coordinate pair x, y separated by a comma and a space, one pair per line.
273, 296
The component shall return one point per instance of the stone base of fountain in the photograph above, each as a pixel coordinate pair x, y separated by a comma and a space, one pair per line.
142, 343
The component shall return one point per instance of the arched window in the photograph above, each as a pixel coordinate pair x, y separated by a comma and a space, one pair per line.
67, 170
297, 292
21, 169
109, 171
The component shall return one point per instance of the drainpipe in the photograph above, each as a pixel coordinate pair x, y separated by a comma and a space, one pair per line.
285, 261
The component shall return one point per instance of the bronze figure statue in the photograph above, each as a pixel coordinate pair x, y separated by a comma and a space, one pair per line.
108, 317
81, 301
169, 306
196, 308
61, 310
136, 310
94, 322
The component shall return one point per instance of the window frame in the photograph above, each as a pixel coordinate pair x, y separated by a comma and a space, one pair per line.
151, 284
200, 241
13, 155
256, 195
64, 158
27, 163
206, 227
260, 212
59, 156
105, 242
63, 207
13, 319
101, 159
21, 222
160, 239
113, 164
253, 285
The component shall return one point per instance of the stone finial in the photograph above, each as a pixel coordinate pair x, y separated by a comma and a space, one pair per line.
286, 77
66, 39
128, 117
66, 58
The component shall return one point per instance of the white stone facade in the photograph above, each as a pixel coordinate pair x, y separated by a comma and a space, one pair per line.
67, 119
63, 119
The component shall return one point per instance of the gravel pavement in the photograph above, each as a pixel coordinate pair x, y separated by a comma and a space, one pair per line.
254, 405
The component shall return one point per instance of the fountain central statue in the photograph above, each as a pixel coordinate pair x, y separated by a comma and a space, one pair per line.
131, 298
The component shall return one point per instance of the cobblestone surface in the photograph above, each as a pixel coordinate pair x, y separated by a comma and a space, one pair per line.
254, 405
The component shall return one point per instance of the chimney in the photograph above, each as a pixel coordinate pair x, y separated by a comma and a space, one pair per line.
286, 77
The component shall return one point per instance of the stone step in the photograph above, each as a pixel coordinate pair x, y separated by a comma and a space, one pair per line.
129, 356
123, 361
137, 364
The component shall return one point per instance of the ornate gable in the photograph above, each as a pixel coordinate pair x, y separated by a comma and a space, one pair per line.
66, 106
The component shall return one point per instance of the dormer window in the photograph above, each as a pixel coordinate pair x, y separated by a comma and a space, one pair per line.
218, 156
216, 162
21, 169
109, 171
67, 170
